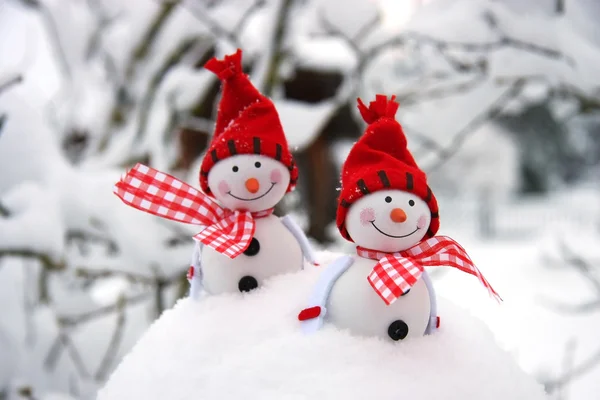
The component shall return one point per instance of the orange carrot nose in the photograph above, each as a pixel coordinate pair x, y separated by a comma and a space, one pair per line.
252, 185
398, 215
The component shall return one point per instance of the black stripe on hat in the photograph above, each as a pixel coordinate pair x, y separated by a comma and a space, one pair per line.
409, 181
429, 195
343, 230
292, 165
203, 173
362, 186
430, 233
384, 179
213, 154
231, 146
256, 143
344, 203
435, 214
278, 150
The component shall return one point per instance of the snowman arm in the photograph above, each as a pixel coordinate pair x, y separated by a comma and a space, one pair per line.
301, 238
312, 317
196, 278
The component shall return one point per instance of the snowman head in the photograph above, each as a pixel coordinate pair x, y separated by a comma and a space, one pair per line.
248, 164
385, 203
248, 182
388, 220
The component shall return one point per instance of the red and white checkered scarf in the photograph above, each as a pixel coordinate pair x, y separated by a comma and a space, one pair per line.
226, 231
396, 273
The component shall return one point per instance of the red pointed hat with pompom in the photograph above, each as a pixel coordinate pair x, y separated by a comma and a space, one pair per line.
380, 160
247, 122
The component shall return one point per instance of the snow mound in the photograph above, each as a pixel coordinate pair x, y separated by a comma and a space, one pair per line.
249, 346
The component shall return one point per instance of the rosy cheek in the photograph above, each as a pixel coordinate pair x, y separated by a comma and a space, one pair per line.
422, 222
367, 215
276, 176
224, 188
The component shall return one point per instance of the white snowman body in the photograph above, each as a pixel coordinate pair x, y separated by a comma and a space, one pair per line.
278, 253
354, 305
254, 183
385, 221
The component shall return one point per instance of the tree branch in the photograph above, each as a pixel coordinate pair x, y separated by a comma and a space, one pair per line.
584, 268
140, 51
335, 31
7, 83
575, 372
46, 260
71, 321
441, 45
108, 273
202, 14
113, 346
80, 235
441, 92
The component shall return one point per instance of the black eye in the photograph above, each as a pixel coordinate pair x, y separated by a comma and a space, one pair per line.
257, 164
388, 199
411, 203
235, 168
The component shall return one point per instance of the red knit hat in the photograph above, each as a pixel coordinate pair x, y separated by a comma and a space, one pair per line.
380, 160
247, 122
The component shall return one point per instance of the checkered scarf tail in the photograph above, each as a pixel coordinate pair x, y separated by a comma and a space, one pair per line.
396, 273
226, 231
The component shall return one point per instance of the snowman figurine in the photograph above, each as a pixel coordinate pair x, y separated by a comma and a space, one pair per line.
246, 171
388, 210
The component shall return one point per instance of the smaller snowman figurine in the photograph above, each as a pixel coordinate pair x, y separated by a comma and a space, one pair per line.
388, 210
247, 168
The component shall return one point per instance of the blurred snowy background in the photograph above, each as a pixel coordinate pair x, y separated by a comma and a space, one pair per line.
500, 100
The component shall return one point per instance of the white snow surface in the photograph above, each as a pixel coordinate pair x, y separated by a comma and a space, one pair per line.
250, 346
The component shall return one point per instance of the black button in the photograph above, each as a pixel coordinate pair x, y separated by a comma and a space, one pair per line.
247, 283
253, 249
398, 330
405, 293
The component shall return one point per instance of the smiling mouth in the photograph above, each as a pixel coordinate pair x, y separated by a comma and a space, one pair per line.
256, 198
392, 236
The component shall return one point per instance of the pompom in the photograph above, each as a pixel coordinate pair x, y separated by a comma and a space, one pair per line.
380, 108
226, 68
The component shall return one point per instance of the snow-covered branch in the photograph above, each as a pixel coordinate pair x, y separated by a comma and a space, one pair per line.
491, 112
56, 41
